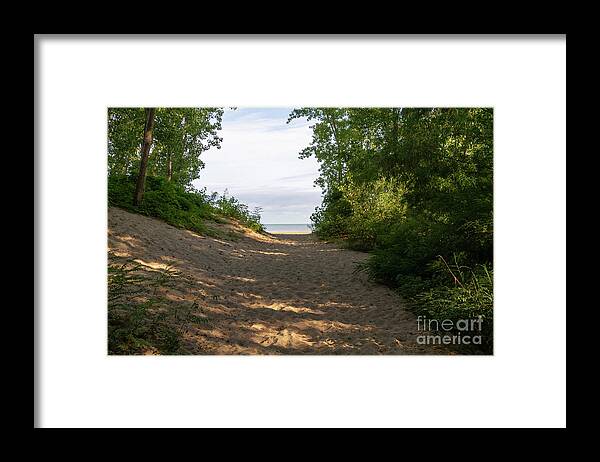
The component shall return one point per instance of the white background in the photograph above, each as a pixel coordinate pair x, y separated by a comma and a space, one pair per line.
523, 384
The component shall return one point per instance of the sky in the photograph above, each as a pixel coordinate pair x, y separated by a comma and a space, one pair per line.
258, 164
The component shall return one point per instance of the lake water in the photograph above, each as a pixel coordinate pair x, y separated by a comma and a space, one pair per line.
297, 228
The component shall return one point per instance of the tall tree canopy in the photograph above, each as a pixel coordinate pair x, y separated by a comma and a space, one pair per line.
180, 135
382, 167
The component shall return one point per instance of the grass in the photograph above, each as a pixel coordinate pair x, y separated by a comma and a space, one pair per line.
468, 296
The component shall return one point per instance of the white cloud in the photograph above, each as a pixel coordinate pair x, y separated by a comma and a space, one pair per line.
258, 164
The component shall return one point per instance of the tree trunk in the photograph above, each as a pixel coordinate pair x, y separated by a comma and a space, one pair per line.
395, 122
170, 167
392, 147
333, 126
147, 142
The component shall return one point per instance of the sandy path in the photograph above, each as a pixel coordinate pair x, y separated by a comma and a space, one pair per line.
288, 294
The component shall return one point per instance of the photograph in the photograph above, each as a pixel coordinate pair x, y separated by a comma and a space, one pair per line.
246, 231
300, 231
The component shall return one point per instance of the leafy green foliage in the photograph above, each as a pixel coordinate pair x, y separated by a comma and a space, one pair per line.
409, 185
180, 135
230, 207
162, 199
178, 206
469, 296
136, 320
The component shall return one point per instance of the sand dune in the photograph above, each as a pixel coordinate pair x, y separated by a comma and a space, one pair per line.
280, 294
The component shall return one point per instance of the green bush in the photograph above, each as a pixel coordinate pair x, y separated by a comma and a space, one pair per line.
177, 206
469, 296
407, 247
331, 219
231, 207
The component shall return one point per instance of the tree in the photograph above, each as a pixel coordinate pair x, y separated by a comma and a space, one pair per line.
145, 153
179, 137
124, 128
384, 169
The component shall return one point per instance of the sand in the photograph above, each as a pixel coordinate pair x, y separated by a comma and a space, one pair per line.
277, 294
